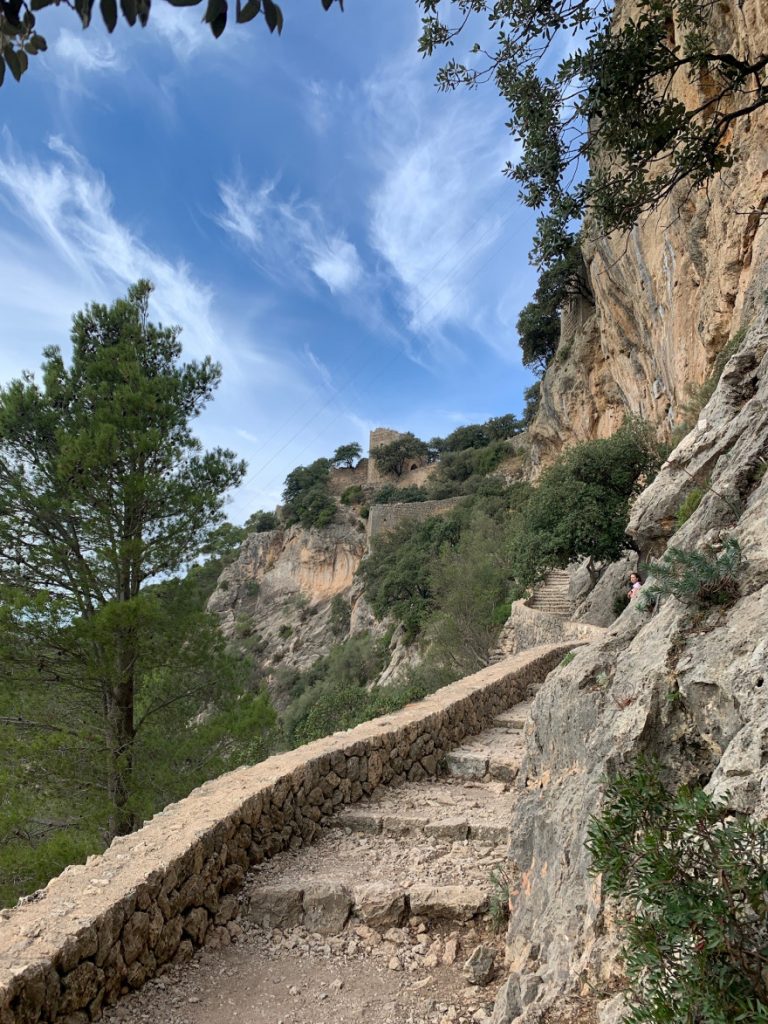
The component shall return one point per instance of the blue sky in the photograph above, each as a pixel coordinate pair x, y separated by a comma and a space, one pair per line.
312, 211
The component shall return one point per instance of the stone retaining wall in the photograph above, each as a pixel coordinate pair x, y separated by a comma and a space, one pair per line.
383, 518
103, 928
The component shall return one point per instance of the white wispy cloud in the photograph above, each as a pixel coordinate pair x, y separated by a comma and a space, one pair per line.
83, 53
441, 212
246, 435
322, 370
67, 206
180, 29
287, 236
62, 245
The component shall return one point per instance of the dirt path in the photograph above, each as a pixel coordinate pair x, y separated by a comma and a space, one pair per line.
374, 922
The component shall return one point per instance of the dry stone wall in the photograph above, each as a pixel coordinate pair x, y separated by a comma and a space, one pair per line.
103, 928
385, 518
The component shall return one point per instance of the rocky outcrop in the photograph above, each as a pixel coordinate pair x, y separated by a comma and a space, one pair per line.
686, 686
670, 294
275, 598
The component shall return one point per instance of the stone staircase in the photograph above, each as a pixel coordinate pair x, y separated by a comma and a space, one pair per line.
376, 919
425, 850
552, 595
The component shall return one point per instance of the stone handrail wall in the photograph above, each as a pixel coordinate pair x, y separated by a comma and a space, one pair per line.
105, 927
383, 518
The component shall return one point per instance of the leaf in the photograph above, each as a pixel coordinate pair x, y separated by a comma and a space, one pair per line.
17, 62
84, 8
2, 69
128, 7
109, 13
247, 12
216, 16
143, 12
36, 44
327, 4
184, 3
38, 5
273, 16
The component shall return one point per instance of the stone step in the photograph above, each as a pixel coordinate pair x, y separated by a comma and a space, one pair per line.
456, 829
328, 906
498, 755
514, 718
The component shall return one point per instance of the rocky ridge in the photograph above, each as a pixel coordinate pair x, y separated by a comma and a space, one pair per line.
687, 686
275, 598
670, 294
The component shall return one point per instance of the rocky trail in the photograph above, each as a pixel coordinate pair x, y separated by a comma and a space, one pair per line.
387, 918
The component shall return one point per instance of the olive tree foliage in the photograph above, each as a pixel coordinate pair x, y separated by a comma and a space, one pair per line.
605, 127
538, 325
580, 508
392, 458
20, 38
346, 454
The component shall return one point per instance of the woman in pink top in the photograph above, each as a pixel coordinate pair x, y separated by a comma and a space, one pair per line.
634, 585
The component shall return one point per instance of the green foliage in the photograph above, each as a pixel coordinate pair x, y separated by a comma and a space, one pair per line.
352, 495
103, 488
469, 582
689, 506
19, 38
398, 572
567, 658
498, 903
306, 495
55, 760
580, 508
694, 876
478, 435
460, 472
261, 522
532, 397
222, 547
612, 127
391, 495
336, 693
699, 578
538, 325
346, 454
332, 693
393, 458
285, 631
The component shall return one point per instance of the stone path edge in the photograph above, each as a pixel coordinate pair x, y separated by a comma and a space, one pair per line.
152, 896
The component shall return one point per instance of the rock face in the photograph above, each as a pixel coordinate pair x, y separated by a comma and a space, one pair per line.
670, 295
689, 688
276, 597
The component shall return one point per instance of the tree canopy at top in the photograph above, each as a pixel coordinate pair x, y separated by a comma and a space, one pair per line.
638, 104
20, 40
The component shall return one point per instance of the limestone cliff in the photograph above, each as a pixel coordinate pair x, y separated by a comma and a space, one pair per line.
275, 598
688, 688
670, 294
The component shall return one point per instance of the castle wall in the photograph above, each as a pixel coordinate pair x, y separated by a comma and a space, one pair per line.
343, 478
105, 927
409, 477
385, 518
